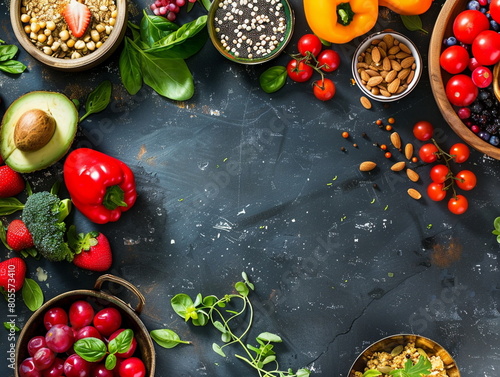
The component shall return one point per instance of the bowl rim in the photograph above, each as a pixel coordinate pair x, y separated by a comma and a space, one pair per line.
289, 13
438, 88
415, 52
83, 63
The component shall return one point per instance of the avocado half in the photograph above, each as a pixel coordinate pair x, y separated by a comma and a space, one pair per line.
58, 108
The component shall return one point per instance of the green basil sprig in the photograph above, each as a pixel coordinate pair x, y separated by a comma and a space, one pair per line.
32, 294
98, 99
273, 79
413, 23
7, 62
167, 338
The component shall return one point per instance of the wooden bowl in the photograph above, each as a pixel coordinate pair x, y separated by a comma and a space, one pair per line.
438, 78
98, 299
85, 62
387, 344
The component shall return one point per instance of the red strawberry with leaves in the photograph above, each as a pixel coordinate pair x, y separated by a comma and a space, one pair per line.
92, 250
12, 274
11, 182
77, 15
18, 236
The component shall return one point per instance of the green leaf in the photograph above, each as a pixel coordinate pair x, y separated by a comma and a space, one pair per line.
122, 342
10, 205
219, 326
421, 368
209, 301
247, 281
273, 79
154, 28
7, 52
186, 31
180, 51
303, 372
206, 4
180, 303
9, 325
202, 319
496, 224
372, 373
98, 99
217, 349
32, 294
242, 288
110, 362
198, 300
167, 338
90, 349
12, 66
269, 337
130, 69
413, 23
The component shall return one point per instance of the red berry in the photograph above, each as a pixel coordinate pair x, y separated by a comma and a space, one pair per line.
55, 316
18, 236
107, 321
11, 182
132, 367
12, 274
81, 314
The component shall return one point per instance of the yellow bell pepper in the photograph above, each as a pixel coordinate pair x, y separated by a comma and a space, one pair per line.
340, 21
407, 7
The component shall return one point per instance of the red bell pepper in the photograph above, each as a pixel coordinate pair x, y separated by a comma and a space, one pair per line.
100, 186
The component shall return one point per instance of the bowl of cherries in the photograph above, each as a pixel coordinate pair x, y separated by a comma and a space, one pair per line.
464, 64
86, 333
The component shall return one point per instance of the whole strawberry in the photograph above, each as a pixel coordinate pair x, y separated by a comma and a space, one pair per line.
92, 251
11, 182
18, 236
12, 274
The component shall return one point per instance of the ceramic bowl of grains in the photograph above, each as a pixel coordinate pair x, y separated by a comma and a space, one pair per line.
69, 35
387, 66
250, 31
408, 352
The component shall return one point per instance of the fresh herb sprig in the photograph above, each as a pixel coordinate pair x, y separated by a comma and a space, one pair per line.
496, 231
420, 369
98, 99
7, 62
413, 23
224, 313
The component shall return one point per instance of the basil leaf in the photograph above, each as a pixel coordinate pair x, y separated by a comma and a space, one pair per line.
154, 28
413, 23
32, 294
12, 66
7, 52
273, 79
372, 373
98, 99
206, 4
90, 349
186, 31
122, 342
180, 303
167, 338
130, 69
170, 78
181, 51
110, 362
9, 326
10, 205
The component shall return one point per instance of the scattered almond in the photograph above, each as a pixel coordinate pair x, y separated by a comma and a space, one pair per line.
365, 102
409, 151
396, 140
412, 175
398, 166
367, 166
414, 193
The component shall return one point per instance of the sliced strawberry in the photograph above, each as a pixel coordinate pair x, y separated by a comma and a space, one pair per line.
77, 15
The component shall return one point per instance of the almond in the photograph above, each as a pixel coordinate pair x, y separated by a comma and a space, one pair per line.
395, 65
398, 166
375, 80
365, 102
391, 75
409, 151
412, 175
393, 50
386, 64
389, 40
394, 86
376, 57
404, 73
414, 193
396, 140
407, 62
367, 166
404, 48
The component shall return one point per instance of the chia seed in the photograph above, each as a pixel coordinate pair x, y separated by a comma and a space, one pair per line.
250, 28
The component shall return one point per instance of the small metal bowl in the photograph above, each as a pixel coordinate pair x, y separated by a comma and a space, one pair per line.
389, 343
71, 65
368, 42
99, 300
213, 31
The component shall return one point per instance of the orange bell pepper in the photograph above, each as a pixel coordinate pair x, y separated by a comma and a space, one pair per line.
340, 21
407, 7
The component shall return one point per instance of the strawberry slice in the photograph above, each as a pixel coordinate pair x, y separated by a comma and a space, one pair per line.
77, 15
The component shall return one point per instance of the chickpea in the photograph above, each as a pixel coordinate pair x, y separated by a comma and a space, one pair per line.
35, 27
51, 25
41, 38
27, 29
47, 50
112, 21
64, 35
114, 13
25, 18
70, 43
55, 46
98, 44
94, 34
47, 32
79, 44
91, 45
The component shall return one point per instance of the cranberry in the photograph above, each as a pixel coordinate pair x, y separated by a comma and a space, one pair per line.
107, 321
55, 316
75, 366
101, 371
43, 358
55, 370
80, 314
28, 369
132, 367
88, 332
60, 338
35, 344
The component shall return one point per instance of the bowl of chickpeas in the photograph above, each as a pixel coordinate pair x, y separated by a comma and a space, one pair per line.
44, 32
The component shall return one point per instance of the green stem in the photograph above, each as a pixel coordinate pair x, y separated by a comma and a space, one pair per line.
344, 14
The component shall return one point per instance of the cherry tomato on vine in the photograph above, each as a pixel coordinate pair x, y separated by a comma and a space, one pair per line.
486, 47
458, 204
328, 60
299, 71
428, 153
460, 152
436, 191
439, 173
466, 180
468, 24
309, 43
423, 130
324, 89
460, 90
454, 59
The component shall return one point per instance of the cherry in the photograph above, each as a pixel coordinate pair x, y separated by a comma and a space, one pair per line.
132, 367
88, 332
60, 338
43, 358
80, 314
35, 344
133, 346
55, 316
55, 370
27, 369
101, 371
107, 321
75, 366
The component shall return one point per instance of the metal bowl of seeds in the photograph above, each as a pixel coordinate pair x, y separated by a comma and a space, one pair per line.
396, 352
250, 31
43, 29
386, 66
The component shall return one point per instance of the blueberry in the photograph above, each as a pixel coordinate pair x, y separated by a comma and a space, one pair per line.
494, 140
484, 135
450, 41
473, 5
494, 25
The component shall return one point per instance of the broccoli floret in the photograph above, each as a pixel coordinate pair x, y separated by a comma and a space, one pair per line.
44, 215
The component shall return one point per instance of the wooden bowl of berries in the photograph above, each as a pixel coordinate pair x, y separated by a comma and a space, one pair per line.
463, 52
86, 331
72, 36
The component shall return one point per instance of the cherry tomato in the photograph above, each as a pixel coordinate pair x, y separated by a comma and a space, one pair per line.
328, 60
324, 89
460, 152
486, 47
468, 24
495, 10
460, 90
454, 59
132, 367
423, 130
458, 204
436, 192
439, 173
482, 77
466, 180
309, 43
299, 71
428, 153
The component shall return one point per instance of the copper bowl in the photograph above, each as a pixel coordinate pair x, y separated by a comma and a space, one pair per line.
80, 64
387, 344
99, 300
442, 29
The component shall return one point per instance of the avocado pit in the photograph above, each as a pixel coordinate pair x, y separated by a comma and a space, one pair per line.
33, 130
